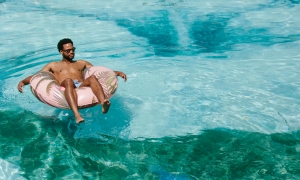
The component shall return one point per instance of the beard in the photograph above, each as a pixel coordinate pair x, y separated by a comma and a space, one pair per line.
69, 58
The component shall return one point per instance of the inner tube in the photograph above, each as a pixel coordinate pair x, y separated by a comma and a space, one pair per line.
45, 88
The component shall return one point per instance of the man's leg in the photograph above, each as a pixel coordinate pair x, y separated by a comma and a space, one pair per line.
97, 89
71, 97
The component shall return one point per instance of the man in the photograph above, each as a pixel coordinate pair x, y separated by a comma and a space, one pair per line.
69, 74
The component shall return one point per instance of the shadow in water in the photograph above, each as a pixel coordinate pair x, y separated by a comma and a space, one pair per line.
291, 1
96, 124
161, 35
210, 33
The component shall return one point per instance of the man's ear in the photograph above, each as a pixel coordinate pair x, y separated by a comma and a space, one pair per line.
61, 52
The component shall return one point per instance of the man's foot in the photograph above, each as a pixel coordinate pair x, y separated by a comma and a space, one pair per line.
105, 106
79, 119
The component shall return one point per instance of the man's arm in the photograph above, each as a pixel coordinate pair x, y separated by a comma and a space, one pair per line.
27, 80
48, 67
87, 64
121, 74
24, 82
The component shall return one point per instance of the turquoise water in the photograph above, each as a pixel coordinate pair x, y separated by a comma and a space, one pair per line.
212, 90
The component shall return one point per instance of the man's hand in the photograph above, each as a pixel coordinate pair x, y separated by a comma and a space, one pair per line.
20, 86
122, 75
23, 83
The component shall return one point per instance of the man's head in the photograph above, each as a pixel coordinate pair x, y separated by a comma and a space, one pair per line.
66, 49
61, 43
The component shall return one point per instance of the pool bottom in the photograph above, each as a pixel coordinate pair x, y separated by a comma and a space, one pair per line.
43, 149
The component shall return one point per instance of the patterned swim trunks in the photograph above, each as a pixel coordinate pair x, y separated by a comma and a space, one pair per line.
77, 83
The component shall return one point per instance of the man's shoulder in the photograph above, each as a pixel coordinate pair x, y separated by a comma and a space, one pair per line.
81, 61
50, 64
84, 63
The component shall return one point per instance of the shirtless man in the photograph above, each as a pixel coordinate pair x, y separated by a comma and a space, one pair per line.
69, 74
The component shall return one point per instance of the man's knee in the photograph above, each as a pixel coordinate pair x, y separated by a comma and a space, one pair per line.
68, 82
93, 78
89, 81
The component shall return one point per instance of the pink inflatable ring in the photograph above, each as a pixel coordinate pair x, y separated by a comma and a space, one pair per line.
45, 88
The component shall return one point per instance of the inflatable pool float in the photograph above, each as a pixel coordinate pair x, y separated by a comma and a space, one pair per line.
45, 88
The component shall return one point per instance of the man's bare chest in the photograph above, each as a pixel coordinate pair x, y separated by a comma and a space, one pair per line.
68, 68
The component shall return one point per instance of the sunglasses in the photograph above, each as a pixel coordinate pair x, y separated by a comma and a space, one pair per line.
69, 50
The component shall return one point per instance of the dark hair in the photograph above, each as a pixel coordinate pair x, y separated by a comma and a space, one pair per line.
62, 42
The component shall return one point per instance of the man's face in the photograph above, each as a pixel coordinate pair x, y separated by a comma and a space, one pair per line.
68, 51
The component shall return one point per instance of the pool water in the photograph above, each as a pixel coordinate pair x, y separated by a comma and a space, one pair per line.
212, 93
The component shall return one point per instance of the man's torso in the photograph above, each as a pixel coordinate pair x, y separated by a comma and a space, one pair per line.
63, 70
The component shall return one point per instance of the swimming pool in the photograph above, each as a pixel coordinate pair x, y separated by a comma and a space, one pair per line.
212, 90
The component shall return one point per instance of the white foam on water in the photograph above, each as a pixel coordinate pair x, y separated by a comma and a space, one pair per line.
213, 96
115, 6
281, 20
9, 171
